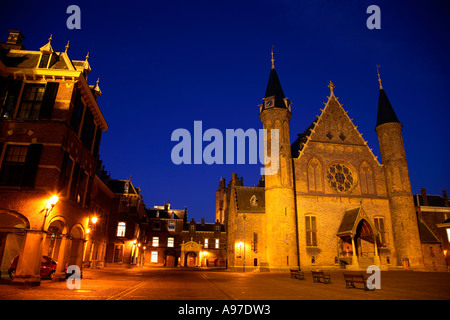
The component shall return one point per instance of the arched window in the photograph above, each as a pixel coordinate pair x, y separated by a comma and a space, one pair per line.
366, 178
314, 175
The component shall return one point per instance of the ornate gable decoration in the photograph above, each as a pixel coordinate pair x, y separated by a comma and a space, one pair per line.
334, 125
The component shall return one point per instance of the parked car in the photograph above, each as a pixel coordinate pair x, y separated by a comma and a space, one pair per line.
48, 267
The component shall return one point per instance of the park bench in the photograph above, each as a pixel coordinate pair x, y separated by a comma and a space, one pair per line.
319, 276
297, 274
352, 278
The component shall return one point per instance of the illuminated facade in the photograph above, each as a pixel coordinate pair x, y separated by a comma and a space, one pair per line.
332, 204
50, 131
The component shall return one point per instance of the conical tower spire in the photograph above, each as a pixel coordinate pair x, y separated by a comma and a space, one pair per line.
385, 111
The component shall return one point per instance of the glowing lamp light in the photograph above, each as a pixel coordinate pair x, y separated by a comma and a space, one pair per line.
52, 201
94, 220
88, 230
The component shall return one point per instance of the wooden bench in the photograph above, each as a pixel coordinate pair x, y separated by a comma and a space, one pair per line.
352, 278
319, 276
297, 274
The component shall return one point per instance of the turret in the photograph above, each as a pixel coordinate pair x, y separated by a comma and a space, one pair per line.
275, 113
404, 222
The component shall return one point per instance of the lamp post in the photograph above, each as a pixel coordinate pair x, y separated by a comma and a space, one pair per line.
49, 207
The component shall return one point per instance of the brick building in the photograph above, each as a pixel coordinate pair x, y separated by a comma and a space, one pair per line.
332, 203
50, 131
163, 235
433, 212
124, 223
204, 244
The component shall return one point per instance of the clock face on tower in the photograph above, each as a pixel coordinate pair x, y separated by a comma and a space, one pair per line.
269, 104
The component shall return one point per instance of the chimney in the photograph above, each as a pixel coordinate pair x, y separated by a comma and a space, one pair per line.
203, 222
424, 197
444, 193
15, 39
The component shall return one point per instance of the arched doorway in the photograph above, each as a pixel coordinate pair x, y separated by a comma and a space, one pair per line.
191, 259
364, 240
12, 235
357, 240
52, 243
77, 247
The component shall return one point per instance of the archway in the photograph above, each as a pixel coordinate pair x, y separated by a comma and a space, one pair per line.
52, 242
77, 247
364, 239
191, 259
12, 234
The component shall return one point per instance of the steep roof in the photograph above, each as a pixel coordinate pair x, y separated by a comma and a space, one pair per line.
274, 89
250, 199
385, 111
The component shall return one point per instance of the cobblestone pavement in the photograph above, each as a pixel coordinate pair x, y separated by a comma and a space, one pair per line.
200, 284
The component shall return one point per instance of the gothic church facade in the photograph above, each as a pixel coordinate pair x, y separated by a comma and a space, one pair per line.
332, 204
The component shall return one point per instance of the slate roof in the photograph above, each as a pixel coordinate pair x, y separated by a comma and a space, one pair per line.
299, 143
426, 235
244, 196
348, 221
163, 214
433, 200
274, 89
385, 111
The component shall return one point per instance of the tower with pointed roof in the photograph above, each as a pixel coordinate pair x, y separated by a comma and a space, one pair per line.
404, 221
275, 113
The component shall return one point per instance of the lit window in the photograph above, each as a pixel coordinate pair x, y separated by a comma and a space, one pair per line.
311, 231
121, 227
170, 242
171, 226
206, 243
155, 242
217, 243
154, 257
448, 234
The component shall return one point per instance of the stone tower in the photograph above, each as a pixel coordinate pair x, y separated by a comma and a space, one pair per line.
404, 222
275, 113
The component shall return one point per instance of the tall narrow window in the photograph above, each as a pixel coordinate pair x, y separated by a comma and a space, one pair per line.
155, 242
13, 165
170, 242
44, 60
379, 224
154, 257
38, 100
311, 231
121, 227
31, 102
206, 243
217, 243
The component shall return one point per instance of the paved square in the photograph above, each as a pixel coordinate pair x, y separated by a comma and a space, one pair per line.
201, 284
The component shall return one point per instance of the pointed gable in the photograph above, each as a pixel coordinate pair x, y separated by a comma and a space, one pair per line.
333, 125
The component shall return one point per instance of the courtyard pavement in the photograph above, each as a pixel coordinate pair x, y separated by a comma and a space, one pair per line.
201, 284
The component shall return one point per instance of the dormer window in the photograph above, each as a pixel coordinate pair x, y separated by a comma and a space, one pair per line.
45, 58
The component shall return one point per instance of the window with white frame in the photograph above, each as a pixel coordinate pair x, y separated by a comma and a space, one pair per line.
170, 242
171, 226
154, 257
155, 242
206, 243
217, 243
121, 227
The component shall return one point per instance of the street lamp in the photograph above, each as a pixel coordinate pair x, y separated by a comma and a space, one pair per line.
49, 207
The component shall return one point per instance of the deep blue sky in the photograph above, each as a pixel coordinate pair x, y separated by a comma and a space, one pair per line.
162, 65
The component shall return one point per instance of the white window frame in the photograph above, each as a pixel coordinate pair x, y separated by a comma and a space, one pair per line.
155, 242
170, 242
217, 242
121, 229
154, 257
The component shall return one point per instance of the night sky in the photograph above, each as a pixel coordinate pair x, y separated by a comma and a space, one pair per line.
163, 65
